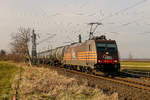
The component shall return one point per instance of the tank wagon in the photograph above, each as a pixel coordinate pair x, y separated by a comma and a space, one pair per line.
95, 55
52, 57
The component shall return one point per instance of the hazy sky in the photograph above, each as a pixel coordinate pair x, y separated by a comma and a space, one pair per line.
126, 21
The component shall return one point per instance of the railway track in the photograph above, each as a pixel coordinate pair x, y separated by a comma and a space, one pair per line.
119, 80
137, 73
134, 83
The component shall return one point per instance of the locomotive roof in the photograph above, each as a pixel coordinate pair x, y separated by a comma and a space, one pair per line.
105, 40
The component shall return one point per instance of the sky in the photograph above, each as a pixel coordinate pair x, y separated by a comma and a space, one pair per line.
126, 21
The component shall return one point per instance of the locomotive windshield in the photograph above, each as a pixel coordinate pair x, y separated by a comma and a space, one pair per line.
110, 48
105, 46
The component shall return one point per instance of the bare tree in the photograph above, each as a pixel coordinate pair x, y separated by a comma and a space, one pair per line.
20, 43
2, 52
2, 55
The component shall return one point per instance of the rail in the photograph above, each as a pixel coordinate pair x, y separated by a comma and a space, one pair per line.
137, 73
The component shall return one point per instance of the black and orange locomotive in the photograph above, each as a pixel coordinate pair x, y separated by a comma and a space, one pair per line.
95, 55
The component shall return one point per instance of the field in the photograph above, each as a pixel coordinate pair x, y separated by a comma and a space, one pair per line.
7, 74
46, 84
137, 65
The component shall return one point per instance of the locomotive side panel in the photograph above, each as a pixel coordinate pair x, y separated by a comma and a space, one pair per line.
81, 54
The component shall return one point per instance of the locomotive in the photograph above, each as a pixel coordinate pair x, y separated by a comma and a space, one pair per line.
94, 55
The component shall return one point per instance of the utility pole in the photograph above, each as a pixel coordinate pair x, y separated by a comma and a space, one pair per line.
34, 45
34, 52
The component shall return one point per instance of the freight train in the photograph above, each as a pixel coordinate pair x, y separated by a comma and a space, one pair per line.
95, 55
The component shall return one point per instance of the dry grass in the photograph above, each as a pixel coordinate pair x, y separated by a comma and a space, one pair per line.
46, 84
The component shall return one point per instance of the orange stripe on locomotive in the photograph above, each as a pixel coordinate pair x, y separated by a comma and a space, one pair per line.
83, 54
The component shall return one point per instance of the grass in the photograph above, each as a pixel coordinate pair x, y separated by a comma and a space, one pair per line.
46, 84
7, 74
138, 65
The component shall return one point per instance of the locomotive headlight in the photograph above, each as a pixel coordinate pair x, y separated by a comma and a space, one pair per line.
115, 61
107, 53
99, 61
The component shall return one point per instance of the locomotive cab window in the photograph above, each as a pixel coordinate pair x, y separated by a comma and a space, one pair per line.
104, 46
106, 50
